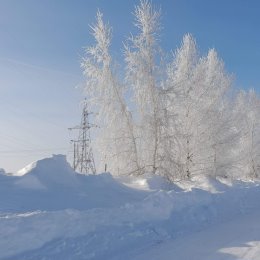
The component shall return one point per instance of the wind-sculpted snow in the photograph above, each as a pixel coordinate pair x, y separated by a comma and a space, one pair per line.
105, 219
51, 184
160, 216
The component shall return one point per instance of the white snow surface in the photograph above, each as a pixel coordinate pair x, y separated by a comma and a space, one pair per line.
51, 212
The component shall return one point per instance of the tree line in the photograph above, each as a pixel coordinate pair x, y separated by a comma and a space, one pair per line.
173, 115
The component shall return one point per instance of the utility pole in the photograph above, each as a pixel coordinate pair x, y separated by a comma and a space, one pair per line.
83, 159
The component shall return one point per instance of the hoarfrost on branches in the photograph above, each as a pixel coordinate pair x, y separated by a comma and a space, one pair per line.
175, 118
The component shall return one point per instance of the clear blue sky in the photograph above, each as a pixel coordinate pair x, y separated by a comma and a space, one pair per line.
41, 45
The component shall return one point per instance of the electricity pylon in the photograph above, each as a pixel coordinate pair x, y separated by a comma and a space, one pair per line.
83, 159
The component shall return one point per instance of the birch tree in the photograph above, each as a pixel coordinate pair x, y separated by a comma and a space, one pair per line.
248, 148
117, 138
195, 89
182, 122
142, 76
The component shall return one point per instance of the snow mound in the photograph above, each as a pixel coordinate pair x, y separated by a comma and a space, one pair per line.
48, 173
51, 184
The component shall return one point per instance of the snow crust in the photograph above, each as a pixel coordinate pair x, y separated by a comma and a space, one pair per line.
51, 212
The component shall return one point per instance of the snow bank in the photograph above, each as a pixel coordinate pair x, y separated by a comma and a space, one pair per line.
52, 211
159, 216
51, 184
48, 173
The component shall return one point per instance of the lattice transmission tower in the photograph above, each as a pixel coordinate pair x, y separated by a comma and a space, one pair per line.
83, 159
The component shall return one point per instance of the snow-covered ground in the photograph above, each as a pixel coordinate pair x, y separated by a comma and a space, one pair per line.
238, 238
50, 212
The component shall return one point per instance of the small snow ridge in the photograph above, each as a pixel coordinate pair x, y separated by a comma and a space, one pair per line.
26, 169
48, 172
203, 182
149, 182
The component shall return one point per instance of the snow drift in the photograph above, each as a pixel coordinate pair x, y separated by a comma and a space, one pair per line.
51, 184
54, 212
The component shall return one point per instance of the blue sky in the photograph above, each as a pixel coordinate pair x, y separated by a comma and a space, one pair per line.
42, 44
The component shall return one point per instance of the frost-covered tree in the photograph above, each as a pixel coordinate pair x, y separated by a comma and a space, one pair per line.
247, 109
173, 118
117, 142
195, 88
215, 132
180, 73
142, 75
